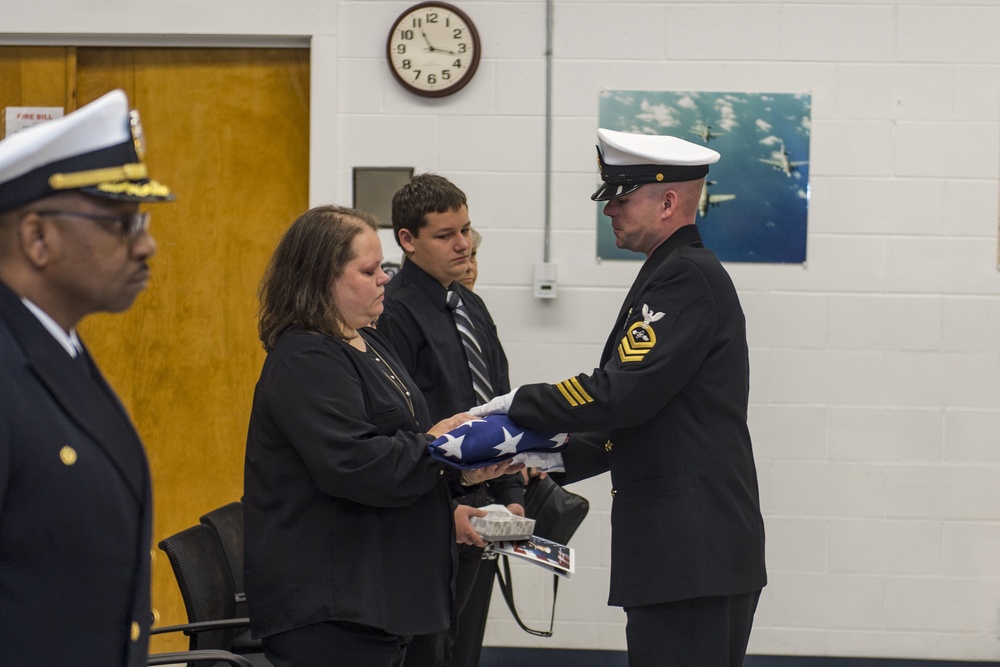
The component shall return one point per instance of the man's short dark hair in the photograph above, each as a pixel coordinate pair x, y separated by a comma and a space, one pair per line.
425, 193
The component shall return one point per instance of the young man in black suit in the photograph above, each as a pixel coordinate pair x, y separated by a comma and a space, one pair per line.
455, 370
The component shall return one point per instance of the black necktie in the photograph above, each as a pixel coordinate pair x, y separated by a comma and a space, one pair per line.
473, 351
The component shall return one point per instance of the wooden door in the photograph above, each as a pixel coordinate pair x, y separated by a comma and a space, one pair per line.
228, 131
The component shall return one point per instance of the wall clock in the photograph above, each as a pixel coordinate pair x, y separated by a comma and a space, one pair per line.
433, 49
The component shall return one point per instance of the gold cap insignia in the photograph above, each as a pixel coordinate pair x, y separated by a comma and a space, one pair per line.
138, 136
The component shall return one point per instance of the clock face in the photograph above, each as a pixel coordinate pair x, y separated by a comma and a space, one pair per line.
433, 49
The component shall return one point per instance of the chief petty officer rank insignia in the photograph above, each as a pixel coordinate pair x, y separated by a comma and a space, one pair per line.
640, 337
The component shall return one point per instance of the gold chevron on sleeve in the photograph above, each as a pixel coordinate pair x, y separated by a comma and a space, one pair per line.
637, 342
625, 356
574, 393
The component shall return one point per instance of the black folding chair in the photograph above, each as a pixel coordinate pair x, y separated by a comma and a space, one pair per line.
205, 579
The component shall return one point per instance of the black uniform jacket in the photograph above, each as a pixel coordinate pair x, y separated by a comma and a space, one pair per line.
672, 393
347, 516
421, 328
75, 507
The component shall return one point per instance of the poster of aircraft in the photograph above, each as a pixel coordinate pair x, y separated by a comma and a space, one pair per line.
779, 161
708, 201
754, 208
705, 132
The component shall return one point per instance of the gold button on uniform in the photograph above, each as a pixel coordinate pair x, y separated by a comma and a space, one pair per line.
67, 455
135, 631
608, 446
613, 492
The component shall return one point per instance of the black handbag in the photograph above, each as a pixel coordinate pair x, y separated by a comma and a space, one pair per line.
557, 514
556, 511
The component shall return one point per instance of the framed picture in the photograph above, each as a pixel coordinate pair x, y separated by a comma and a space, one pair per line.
374, 188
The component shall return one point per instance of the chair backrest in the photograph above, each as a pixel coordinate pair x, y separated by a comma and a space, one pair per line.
206, 584
227, 522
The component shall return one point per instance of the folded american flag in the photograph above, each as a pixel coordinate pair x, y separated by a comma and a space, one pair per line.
491, 439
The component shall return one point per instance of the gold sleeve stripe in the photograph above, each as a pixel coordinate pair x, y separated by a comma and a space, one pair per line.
587, 398
569, 398
574, 393
572, 390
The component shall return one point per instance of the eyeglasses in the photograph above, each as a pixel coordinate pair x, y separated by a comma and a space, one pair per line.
129, 225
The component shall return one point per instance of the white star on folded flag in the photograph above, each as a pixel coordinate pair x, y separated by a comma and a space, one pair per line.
452, 446
509, 444
490, 440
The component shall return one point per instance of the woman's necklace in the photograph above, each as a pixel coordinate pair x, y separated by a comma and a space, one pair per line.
392, 376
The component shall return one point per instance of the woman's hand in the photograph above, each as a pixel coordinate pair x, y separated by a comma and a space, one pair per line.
517, 509
450, 423
480, 475
464, 532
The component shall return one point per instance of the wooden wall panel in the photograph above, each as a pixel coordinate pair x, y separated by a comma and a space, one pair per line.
228, 131
32, 76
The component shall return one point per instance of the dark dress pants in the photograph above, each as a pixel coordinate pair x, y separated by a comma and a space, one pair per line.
335, 644
700, 632
466, 636
435, 650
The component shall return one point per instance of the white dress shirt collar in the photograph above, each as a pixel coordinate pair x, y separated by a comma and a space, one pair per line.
70, 340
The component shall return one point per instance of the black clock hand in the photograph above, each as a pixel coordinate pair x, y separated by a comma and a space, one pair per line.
429, 48
432, 49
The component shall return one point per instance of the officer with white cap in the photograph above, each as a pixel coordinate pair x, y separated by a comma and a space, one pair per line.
666, 413
629, 161
75, 501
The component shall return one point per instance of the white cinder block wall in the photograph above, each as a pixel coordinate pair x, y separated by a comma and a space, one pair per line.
876, 367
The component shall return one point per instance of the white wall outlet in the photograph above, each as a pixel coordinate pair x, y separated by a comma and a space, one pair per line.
545, 281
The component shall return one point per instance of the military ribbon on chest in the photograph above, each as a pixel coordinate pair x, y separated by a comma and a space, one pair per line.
640, 338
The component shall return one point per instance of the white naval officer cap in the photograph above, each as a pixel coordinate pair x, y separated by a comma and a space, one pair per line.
97, 149
628, 161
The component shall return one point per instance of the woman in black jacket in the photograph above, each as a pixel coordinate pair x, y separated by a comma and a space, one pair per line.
350, 545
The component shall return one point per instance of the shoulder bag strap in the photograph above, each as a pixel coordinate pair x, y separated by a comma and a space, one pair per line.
507, 589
